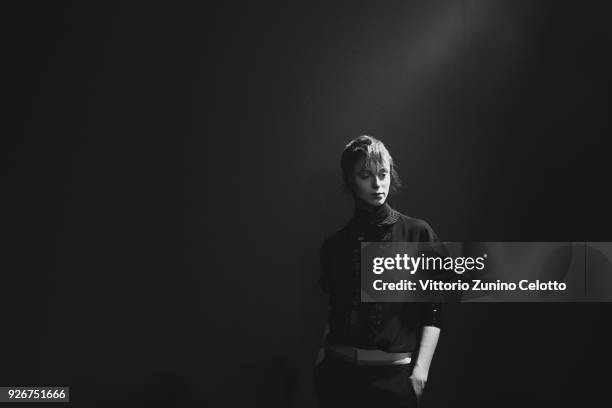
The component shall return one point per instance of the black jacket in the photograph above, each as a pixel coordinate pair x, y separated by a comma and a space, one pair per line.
392, 327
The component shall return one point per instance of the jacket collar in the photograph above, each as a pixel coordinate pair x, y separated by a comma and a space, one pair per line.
383, 215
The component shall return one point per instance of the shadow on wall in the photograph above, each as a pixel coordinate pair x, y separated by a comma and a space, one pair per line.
163, 392
268, 383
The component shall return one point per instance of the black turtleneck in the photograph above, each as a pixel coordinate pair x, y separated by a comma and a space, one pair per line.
381, 215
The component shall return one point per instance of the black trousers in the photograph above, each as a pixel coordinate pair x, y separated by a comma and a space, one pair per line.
339, 383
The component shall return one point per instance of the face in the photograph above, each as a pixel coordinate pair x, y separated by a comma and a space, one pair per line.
371, 184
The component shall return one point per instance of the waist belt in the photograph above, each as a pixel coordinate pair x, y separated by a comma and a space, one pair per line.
368, 357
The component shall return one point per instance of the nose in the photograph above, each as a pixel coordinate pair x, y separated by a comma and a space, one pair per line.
375, 182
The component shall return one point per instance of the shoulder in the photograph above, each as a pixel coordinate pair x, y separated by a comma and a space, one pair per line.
411, 222
337, 236
414, 229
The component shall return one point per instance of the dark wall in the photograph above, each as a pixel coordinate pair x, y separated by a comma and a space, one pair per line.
171, 172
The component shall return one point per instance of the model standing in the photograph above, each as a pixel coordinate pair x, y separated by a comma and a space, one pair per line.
374, 354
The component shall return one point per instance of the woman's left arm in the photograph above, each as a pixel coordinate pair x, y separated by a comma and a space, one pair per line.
429, 341
431, 330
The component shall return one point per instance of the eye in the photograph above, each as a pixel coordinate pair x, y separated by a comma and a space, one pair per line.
363, 174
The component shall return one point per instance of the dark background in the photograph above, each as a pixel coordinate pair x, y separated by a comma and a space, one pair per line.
169, 172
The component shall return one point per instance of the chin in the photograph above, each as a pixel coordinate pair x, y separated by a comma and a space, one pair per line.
376, 203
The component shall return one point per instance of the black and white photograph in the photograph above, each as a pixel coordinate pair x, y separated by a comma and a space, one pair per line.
306, 204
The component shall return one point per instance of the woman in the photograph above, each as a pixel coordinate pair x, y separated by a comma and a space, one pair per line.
374, 354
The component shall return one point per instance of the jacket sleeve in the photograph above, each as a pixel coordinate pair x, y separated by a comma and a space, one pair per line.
325, 280
432, 312
432, 315
427, 234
